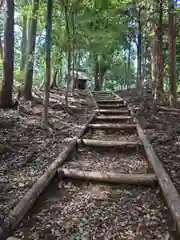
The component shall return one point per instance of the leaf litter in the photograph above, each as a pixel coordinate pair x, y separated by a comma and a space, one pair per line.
109, 160
73, 210
27, 149
93, 211
163, 131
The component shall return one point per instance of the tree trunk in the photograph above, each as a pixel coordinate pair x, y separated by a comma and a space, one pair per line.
172, 53
53, 83
48, 60
102, 71
153, 67
68, 78
24, 39
73, 49
96, 75
28, 77
139, 46
157, 51
125, 73
160, 39
8, 59
1, 49
129, 67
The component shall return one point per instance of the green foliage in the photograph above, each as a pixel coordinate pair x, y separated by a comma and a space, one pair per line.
100, 27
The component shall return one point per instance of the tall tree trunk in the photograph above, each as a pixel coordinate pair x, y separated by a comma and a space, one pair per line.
160, 40
1, 49
8, 59
172, 53
129, 67
102, 71
28, 77
73, 48
153, 67
96, 75
53, 83
139, 47
68, 77
48, 60
125, 71
24, 38
157, 58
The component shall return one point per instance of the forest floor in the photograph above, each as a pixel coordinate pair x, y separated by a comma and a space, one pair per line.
86, 210
162, 129
82, 210
27, 149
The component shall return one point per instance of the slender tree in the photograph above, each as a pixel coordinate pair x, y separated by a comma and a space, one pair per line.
157, 58
129, 65
28, 76
8, 55
139, 52
1, 49
48, 60
172, 52
24, 38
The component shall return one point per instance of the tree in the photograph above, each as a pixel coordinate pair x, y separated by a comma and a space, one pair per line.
24, 37
28, 75
172, 52
48, 60
8, 56
157, 57
139, 52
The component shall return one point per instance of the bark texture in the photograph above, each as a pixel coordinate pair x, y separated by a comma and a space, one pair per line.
48, 60
8, 59
28, 76
172, 53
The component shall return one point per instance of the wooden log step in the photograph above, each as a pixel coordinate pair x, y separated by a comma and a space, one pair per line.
101, 143
100, 92
113, 126
108, 177
102, 95
13, 238
113, 111
114, 117
168, 109
105, 106
110, 101
105, 98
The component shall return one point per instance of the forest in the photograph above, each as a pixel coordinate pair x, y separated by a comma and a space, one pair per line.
89, 119
122, 44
